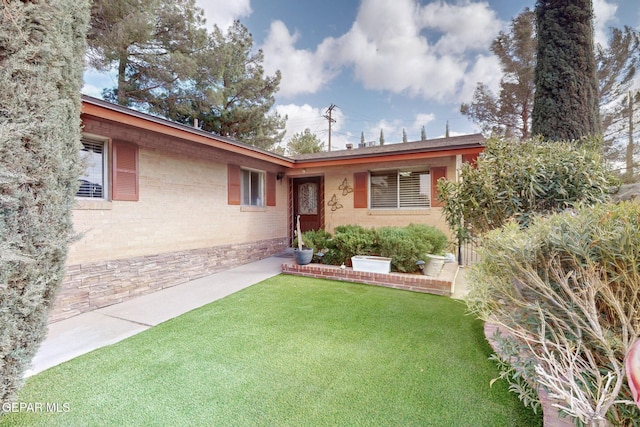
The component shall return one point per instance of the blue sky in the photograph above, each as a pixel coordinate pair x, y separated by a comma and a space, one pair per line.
385, 64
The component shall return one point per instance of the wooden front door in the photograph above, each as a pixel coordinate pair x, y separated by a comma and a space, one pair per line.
308, 201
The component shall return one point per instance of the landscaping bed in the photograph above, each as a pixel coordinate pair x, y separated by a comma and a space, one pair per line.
441, 285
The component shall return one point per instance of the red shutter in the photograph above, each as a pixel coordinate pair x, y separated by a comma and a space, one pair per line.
271, 189
360, 187
436, 174
233, 184
124, 181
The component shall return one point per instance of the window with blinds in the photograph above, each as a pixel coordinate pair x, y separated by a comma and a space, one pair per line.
400, 189
252, 188
92, 180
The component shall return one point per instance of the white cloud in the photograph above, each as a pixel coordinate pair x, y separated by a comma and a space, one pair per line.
95, 81
426, 55
464, 26
224, 12
302, 71
605, 15
422, 120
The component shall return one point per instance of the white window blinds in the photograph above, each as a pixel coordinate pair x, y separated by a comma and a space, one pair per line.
400, 189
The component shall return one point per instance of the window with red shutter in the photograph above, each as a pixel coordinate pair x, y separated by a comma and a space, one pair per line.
125, 174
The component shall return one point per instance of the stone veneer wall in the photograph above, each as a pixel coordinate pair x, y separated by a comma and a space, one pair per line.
90, 286
409, 282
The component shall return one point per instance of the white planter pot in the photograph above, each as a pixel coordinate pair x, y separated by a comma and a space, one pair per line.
434, 266
371, 264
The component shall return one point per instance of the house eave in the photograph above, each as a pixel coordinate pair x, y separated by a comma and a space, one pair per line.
103, 110
107, 111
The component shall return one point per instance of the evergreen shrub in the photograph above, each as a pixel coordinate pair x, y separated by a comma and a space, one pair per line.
404, 245
41, 65
568, 288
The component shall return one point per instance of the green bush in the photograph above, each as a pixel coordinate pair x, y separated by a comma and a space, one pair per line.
318, 240
517, 180
43, 49
348, 241
569, 282
425, 233
395, 243
404, 245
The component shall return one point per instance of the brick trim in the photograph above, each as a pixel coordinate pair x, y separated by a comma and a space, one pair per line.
407, 282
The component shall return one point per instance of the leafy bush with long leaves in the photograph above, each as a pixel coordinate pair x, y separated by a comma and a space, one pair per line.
515, 180
568, 288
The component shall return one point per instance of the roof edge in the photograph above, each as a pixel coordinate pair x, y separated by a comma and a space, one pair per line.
179, 126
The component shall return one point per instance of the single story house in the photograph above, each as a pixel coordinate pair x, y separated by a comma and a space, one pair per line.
162, 203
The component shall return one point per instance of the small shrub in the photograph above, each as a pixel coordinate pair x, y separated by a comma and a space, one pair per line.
318, 240
435, 238
348, 241
395, 243
406, 245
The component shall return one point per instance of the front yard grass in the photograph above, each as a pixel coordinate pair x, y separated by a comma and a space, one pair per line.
289, 351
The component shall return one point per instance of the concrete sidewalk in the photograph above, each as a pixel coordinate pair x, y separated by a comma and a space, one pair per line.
88, 331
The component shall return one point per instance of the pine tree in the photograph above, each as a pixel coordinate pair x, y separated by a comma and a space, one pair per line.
152, 43
404, 135
509, 113
566, 99
230, 96
381, 137
41, 66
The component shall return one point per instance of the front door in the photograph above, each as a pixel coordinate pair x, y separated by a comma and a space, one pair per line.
308, 200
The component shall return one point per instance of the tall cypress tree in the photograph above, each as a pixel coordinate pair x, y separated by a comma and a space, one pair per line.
566, 100
42, 45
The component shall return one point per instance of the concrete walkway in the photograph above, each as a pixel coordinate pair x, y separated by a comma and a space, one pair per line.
86, 332
81, 334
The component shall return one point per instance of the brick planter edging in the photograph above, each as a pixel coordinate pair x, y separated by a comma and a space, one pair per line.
442, 285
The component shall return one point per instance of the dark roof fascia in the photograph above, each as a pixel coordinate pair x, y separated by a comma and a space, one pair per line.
363, 153
164, 122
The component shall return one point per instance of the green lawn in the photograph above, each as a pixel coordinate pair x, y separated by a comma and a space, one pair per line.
289, 351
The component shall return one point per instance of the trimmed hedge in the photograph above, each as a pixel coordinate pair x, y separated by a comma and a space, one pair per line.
404, 245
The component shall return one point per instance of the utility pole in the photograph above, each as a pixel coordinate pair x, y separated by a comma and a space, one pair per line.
328, 117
